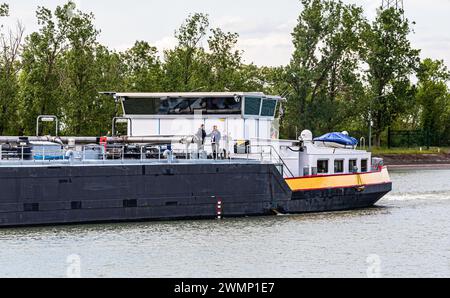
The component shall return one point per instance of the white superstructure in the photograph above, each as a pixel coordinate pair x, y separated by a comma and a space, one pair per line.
239, 116
248, 124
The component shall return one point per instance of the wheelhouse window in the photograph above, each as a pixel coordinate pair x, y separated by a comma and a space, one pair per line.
322, 166
353, 166
268, 108
364, 166
141, 106
182, 106
252, 106
339, 166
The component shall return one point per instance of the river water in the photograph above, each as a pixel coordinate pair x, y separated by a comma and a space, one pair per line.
406, 235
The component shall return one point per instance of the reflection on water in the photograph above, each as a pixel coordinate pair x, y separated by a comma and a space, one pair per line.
408, 230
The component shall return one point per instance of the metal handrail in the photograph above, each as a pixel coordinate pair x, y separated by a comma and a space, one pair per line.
114, 122
363, 141
52, 118
81, 157
272, 149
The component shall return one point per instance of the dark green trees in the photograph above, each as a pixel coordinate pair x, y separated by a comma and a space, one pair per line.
391, 62
323, 74
344, 72
434, 98
10, 66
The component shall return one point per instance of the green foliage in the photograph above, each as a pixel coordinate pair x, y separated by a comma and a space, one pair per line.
40, 92
64, 68
391, 61
79, 75
190, 67
344, 71
185, 66
407, 151
10, 66
323, 79
434, 98
223, 60
142, 68
4, 10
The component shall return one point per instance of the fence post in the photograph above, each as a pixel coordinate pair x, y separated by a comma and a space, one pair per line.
408, 138
389, 137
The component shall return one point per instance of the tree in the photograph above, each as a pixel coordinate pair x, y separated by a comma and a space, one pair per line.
322, 78
142, 68
109, 77
79, 74
391, 61
225, 62
434, 98
40, 91
10, 51
185, 66
64, 69
4, 10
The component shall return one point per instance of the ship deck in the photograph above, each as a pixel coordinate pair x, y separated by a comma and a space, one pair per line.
125, 162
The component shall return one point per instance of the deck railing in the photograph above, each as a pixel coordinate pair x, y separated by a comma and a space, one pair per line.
270, 154
98, 155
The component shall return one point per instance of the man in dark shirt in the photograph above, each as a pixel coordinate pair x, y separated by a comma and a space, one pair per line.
200, 138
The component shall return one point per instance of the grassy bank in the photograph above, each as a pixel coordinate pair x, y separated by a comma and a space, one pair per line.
410, 151
413, 156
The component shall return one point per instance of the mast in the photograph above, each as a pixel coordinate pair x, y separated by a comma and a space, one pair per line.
397, 4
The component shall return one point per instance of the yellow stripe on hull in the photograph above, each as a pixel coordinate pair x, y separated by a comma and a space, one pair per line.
319, 182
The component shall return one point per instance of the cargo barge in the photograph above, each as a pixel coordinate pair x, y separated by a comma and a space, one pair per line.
184, 156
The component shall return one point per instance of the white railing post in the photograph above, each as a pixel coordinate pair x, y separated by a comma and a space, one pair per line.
270, 147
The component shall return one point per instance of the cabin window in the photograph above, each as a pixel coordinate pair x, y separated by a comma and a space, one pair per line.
268, 108
339, 166
353, 165
364, 165
182, 106
252, 106
322, 167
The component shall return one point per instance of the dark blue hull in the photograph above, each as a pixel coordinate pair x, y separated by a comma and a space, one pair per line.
87, 194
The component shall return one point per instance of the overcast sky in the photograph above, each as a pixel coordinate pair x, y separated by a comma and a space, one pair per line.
264, 25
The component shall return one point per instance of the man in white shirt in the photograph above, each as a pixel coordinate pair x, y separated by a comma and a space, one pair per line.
215, 136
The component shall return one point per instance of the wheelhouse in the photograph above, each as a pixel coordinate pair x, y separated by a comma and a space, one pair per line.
239, 115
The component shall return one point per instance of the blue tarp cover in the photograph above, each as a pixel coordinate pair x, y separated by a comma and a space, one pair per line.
48, 157
339, 138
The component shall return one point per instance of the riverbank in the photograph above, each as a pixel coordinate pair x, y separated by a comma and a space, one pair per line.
437, 160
